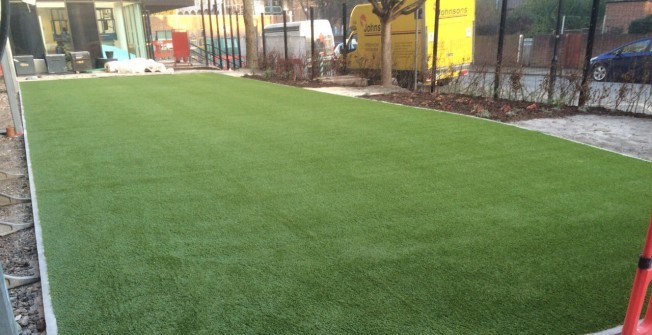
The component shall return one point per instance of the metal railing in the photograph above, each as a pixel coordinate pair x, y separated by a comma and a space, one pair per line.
227, 59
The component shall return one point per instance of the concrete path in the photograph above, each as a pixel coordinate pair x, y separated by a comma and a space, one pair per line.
626, 135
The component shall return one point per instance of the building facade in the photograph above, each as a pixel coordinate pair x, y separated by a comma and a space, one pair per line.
296, 10
48, 27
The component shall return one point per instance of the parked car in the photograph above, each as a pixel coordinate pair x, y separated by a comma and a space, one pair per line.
631, 62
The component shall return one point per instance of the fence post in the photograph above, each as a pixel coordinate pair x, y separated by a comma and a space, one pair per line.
345, 47
632, 325
232, 43
435, 41
210, 27
555, 55
226, 47
217, 27
262, 25
11, 84
237, 27
285, 38
499, 54
7, 322
416, 46
312, 43
584, 90
203, 31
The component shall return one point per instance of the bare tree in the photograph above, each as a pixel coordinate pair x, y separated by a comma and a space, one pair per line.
305, 7
250, 34
387, 11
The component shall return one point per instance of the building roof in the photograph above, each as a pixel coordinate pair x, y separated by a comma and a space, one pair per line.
155, 6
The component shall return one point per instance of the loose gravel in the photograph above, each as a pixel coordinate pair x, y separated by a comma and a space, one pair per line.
18, 252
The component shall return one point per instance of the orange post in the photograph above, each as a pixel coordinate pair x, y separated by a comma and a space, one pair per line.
631, 326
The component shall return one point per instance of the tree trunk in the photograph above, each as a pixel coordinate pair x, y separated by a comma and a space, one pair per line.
250, 34
386, 53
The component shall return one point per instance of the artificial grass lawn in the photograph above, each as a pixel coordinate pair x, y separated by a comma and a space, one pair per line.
204, 204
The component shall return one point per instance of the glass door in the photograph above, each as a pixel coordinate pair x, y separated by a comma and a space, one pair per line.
135, 34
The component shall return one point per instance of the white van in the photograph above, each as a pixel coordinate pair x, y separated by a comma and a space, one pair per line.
298, 35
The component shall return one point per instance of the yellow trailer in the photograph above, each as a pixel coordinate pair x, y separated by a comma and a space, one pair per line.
412, 41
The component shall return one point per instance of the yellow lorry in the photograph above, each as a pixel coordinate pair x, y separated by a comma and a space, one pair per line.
412, 52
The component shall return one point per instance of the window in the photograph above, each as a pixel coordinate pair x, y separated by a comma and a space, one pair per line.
106, 25
56, 29
59, 23
163, 35
135, 34
273, 7
636, 47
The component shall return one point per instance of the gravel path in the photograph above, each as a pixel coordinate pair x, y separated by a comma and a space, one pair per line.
360, 91
18, 252
626, 135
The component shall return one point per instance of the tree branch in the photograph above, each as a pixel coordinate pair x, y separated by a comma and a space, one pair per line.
377, 8
409, 9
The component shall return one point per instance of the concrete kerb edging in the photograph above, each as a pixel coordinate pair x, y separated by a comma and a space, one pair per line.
48, 311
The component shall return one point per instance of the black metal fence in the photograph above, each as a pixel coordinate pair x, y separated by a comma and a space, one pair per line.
221, 41
545, 51
297, 50
525, 50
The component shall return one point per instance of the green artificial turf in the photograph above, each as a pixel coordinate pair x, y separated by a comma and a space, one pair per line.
204, 204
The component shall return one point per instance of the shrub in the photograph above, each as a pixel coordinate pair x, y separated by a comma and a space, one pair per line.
641, 26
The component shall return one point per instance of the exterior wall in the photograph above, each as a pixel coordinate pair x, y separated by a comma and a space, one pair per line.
193, 24
25, 36
294, 9
60, 27
618, 15
486, 46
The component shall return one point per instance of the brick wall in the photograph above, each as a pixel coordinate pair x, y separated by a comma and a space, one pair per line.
618, 15
540, 53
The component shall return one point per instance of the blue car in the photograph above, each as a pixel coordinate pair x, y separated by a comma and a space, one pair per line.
631, 63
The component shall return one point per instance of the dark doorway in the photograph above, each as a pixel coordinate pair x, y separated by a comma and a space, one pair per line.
25, 31
83, 26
